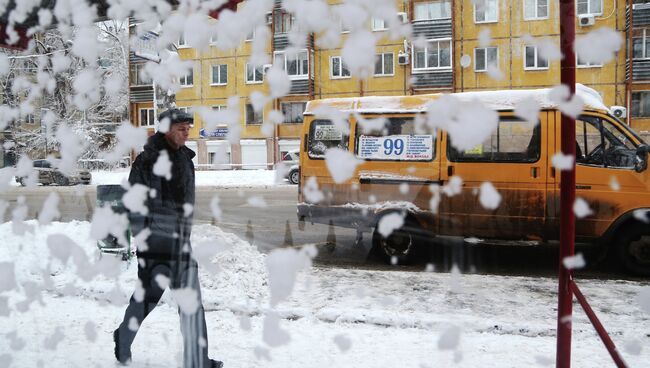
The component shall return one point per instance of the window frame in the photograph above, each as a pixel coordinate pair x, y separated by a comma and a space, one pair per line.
644, 40
496, 20
587, 65
283, 55
452, 152
153, 115
283, 104
137, 68
485, 58
632, 115
589, 11
430, 17
254, 81
341, 68
181, 43
220, 82
373, 21
383, 61
261, 115
283, 16
536, 58
310, 138
183, 80
426, 69
535, 10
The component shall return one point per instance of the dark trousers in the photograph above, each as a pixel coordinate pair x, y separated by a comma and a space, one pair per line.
182, 273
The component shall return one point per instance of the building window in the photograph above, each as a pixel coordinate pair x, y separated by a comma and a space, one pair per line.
640, 104
30, 119
585, 64
293, 111
137, 76
486, 11
532, 59
384, 64
181, 41
219, 107
219, 75
594, 7
431, 10
283, 22
437, 55
254, 74
338, 68
250, 36
641, 44
378, 24
486, 57
188, 79
296, 65
535, 9
147, 117
253, 117
337, 10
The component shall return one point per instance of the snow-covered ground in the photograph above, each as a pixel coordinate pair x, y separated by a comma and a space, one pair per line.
50, 317
219, 178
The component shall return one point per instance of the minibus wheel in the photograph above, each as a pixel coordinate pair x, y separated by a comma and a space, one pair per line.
399, 247
634, 250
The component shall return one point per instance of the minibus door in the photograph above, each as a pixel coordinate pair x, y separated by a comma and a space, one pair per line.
513, 160
606, 179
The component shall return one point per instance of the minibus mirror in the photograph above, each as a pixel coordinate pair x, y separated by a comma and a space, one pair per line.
642, 158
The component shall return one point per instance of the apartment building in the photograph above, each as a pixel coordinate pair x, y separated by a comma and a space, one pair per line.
458, 47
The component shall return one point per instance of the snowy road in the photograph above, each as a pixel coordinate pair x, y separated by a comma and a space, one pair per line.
334, 317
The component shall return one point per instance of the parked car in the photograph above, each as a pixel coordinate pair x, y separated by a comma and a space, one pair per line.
293, 175
291, 159
48, 175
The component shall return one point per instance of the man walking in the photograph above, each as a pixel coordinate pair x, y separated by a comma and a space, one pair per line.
166, 260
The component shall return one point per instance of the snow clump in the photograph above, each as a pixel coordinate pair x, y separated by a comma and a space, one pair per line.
574, 262
608, 40
311, 191
562, 162
468, 123
560, 95
581, 208
341, 164
283, 266
390, 222
489, 196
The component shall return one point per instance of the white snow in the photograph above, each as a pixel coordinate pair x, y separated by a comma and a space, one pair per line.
489, 196
341, 164
503, 319
389, 223
581, 208
216, 178
574, 262
562, 162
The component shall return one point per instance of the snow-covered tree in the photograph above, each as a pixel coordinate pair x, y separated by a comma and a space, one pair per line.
52, 83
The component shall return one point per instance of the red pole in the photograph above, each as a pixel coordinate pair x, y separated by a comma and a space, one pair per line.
609, 344
567, 188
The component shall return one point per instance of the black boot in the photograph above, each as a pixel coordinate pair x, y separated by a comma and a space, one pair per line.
216, 363
122, 355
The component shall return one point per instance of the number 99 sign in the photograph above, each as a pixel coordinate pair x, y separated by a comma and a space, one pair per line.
393, 147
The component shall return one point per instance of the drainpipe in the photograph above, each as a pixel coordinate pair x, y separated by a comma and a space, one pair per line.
630, 58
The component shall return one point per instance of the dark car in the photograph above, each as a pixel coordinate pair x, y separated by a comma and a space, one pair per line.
48, 175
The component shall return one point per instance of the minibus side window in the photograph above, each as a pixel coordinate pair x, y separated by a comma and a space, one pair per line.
396, 141
514, 140
600, 143
323, 134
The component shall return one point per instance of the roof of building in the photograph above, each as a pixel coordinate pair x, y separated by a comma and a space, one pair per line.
496, 100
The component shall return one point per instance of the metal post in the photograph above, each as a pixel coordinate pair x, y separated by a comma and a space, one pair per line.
567, 188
